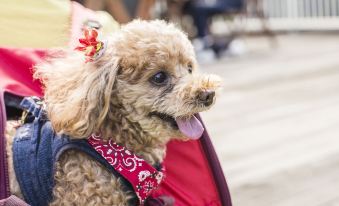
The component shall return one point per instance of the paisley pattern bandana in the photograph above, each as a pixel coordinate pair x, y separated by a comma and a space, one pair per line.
143, 177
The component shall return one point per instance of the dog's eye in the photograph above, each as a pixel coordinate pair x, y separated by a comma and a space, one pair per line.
189, 68
159, 78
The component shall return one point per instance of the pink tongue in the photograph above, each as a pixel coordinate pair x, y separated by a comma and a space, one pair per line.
191, 127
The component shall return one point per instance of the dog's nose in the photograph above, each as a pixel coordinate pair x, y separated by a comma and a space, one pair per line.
206, 97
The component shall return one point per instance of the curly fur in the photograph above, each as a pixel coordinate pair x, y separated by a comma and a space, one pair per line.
115, 97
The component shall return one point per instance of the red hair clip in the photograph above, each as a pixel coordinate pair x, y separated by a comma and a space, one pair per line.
90, 45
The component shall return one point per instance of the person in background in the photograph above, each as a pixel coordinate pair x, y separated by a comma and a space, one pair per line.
202, 11
123, 10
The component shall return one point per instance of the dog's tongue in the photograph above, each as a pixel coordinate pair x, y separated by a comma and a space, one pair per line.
190, 127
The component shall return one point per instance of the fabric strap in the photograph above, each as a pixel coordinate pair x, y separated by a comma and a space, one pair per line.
12, 201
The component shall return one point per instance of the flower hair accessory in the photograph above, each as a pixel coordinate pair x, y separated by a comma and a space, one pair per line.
92, 48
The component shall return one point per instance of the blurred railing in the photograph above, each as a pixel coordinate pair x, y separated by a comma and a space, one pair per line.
301, 8
297, 15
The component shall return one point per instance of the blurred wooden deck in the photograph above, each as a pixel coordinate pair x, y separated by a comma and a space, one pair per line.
276, 124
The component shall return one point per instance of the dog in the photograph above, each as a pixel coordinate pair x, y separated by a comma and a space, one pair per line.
142, 92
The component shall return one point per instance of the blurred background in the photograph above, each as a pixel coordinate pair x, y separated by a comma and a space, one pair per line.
275, 125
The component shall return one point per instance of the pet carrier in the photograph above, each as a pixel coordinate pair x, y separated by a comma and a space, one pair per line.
193, 172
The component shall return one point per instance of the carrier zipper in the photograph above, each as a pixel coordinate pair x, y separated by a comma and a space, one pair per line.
4, 177
215, 166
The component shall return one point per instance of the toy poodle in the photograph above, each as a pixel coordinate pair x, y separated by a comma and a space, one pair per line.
144, 90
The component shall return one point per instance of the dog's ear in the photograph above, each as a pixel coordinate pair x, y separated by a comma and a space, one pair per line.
78, 94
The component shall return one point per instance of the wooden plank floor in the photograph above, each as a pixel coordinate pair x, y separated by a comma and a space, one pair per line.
275, 125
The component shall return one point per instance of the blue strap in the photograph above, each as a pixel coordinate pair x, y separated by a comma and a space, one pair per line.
36, 148
34, 105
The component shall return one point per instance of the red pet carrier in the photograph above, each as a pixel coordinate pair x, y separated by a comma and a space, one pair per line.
193, 172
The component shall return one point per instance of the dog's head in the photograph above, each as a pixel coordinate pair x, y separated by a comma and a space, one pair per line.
146, 79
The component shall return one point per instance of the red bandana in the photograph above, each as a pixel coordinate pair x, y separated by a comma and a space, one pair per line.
143, 177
